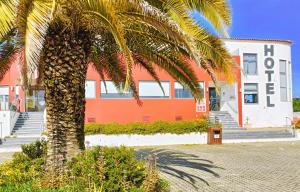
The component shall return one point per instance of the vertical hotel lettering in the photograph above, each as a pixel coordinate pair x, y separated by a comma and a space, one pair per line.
269, 65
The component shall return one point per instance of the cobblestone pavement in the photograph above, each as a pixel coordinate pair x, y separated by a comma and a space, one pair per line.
5, 156
265, 167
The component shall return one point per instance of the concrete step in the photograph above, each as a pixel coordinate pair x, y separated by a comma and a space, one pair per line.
28, 126
223, 117
242, 134
34, 132
18, 141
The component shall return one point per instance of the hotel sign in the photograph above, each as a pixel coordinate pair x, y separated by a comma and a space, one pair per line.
269, 71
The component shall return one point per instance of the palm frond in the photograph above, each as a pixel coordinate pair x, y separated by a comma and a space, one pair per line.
217, 12
7, 16
33, 19
8, 52
104, 11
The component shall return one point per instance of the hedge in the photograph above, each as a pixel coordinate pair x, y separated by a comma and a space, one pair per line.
178, 127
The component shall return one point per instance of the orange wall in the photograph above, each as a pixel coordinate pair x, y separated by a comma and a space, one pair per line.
127, 110
12, 78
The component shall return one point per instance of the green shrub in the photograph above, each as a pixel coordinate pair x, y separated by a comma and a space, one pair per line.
96, 169
25, 166
35, 150
296, 104
177, 127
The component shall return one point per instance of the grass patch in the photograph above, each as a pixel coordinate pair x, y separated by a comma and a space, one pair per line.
177, 127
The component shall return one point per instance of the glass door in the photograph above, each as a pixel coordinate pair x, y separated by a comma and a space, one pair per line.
214, 100
36, 101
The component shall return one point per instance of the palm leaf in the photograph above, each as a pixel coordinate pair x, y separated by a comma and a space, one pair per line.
7, 16
33, 20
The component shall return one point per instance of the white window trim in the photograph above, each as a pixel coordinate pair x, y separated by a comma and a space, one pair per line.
156, 98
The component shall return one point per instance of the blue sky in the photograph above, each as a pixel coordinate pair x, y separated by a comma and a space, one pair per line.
270, 19
274, 19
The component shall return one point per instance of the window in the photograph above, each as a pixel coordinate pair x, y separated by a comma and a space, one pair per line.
90, 89
250, 63
283, 80
183, 92
4, 98
111, 91
251, 92
151, 89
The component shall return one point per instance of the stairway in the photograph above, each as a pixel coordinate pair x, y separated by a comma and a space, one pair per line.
259, 133
27, 129
223, 117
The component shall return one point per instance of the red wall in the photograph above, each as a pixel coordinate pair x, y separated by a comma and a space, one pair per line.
127, 110
12, 78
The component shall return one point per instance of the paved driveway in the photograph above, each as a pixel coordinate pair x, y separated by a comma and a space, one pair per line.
5, 156
230, 167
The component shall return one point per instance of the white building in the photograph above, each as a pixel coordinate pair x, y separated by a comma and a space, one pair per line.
266, 79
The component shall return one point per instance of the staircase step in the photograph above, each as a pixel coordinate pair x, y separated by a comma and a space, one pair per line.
223, 117
27, 129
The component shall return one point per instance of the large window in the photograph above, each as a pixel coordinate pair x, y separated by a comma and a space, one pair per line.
90, 89
184, 92
151, 89
4, 98
111, 91
251, 92
283, 81
250, 63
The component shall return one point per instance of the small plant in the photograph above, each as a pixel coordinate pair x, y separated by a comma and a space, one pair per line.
177, 127
35, 150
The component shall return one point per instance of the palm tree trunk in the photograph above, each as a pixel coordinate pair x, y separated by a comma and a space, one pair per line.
64, 74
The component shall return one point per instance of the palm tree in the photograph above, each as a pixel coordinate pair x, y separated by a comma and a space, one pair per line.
59, 38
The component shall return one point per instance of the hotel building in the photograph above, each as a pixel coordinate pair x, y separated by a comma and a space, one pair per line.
261, 95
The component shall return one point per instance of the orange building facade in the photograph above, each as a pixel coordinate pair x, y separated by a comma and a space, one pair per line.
175, 105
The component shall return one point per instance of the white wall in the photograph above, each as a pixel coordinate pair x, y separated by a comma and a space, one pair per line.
260, 115
229, 100
8, 120
145, 140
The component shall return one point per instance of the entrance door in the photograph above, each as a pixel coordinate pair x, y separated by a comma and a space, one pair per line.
214, 100
36, 101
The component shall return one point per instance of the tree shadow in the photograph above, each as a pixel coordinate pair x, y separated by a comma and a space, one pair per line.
170, 161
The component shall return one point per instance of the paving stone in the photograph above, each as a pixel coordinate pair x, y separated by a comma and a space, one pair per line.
266, 167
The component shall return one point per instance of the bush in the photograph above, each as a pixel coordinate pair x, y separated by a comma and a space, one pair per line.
178, 127
296, 104
25, 166
96, 169
297, 125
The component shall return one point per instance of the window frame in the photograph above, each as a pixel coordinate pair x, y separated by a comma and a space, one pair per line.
246, 71
95, 91
253, 103
286, 81
7, 98
203, 92
149, 97
120, 95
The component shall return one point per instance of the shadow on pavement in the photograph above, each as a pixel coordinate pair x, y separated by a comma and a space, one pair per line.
173, 163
